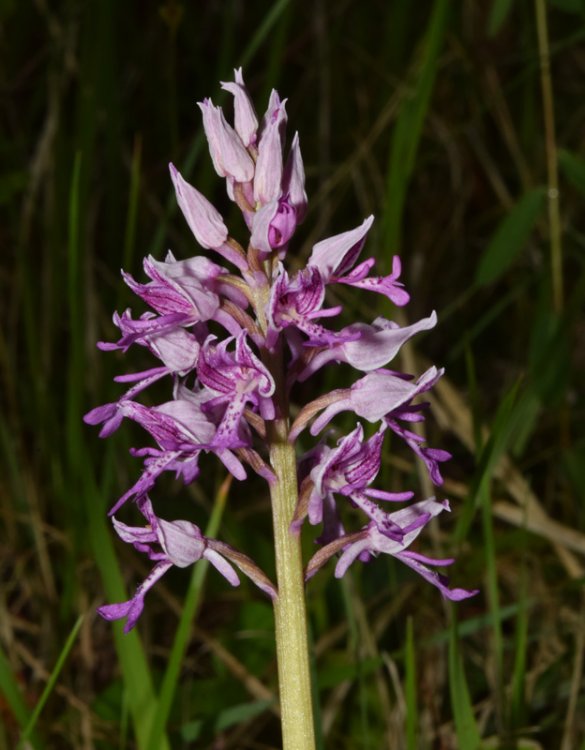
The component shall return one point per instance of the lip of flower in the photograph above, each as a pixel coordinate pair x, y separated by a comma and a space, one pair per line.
348, 470
296, 303
182, 432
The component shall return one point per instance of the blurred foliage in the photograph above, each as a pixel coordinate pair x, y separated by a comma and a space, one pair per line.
427, 114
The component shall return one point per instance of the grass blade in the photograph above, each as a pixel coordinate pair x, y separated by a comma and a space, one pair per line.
10, 689
466, 728
51, 683
410, 688
510, 237
408, 128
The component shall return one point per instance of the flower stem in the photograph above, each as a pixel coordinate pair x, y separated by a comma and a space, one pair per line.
289, 607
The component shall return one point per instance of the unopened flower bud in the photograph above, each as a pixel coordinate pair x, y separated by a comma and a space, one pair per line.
203, 218
245, 120
228, 153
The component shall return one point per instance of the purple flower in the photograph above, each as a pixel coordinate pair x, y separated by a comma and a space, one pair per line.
272, 226
206, 222
182, 431
371, 541
348, 470
298, 302
181, 291
235, 379
431, 457
178, 543
366, 347
293, 181
373, 397
336, 258
203, 218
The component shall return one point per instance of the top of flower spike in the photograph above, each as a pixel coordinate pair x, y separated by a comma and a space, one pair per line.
269, 190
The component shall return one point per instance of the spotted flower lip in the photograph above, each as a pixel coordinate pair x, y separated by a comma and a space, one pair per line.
236, 379
181, 431
297, 302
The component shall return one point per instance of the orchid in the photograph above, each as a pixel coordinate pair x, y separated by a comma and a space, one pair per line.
234, 342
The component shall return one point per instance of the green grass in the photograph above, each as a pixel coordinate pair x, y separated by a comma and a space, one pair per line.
429, 115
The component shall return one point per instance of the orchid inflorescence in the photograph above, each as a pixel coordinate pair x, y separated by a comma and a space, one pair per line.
228, 388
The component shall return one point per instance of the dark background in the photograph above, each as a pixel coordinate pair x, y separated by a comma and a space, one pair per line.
430, 115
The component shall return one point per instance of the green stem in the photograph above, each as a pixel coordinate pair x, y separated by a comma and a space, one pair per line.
290, 616
551, 157
292, 647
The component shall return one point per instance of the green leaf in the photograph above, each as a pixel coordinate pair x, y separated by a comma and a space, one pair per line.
12, 183
238, 714
466, 728
498, 14
487, 457
191, 731
573, 167
570, 6
549, 356
510, 237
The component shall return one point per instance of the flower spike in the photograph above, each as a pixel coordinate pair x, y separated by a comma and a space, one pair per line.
232, 345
